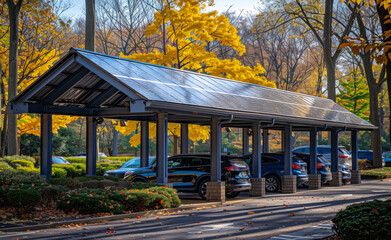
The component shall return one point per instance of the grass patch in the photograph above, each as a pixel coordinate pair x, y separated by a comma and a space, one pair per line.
376, 173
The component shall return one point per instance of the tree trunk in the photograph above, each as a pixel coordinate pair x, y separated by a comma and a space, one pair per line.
175, 144
4, 133
328, 57
375, 135
115, 143
90, 25
13, 10
386, 26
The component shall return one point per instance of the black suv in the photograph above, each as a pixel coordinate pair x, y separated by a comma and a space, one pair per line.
191, 172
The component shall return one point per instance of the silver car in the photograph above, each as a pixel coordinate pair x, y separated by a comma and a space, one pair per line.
344, 156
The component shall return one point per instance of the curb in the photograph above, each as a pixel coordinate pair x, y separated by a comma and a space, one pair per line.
188, 207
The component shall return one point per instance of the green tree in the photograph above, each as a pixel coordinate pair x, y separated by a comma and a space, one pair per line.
354, 94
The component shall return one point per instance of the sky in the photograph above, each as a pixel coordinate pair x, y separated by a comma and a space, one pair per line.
78, 6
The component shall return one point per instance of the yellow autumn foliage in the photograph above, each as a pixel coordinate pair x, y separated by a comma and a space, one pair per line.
40, 46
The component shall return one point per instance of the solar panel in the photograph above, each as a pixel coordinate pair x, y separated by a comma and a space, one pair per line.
157, 83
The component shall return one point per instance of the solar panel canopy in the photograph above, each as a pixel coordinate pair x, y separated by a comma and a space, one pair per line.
173, 89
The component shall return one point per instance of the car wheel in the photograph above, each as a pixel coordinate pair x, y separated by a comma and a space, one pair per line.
202, 188
138, 180
272, 183
232, 194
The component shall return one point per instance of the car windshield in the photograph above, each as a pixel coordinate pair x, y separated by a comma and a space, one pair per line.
344, 151
58, 160
322, 159
135, 162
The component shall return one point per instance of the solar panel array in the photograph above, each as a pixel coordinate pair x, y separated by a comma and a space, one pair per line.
163, 84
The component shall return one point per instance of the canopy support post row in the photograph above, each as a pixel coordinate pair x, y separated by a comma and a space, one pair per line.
356, 173
336, 175
246, 141
46, 145
184, 138
288, 179
162, 149
314, 179
91, 151
265, 144
257, 182
144, 152
215, 189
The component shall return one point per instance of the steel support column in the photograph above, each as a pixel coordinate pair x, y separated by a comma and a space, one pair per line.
91, 151
46, 145
257, 150
265, 144
184, 138
354, 143
144, 152
356, 174
246, 141
215, 150
313, 151
334, 150
287, 143
162, 149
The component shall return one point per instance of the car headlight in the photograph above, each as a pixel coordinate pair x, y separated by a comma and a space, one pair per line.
127, 174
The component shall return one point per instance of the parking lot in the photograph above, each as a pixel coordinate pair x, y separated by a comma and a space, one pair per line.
275, 216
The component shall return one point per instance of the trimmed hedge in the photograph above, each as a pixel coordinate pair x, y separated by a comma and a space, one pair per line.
22, 163
369, 220
90, 201
16, 177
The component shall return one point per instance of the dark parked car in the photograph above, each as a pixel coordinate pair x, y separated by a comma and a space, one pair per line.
130, 165
191, 172
322, 165
273, 168
344, 156
368, 155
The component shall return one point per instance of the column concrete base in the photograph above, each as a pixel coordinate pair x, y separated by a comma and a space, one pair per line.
215, 191
356, 177
337, 179
289, 184
257, 187
314, 181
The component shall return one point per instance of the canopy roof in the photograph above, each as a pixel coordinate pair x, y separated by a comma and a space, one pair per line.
86, 83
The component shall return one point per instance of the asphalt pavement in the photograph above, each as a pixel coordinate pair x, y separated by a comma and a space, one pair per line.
303, 215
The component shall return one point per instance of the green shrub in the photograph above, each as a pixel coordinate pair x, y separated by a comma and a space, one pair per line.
22, 163
23, 200
66, 182
58, 172
9, 159
122, 159
3, 196
15, 177
50, 194
28, 169
118, 201
99, 178
70, 169
76, 160
4, 165
369, 220
88, 202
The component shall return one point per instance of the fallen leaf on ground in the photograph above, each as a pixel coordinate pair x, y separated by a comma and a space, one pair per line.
291, 215
251, 212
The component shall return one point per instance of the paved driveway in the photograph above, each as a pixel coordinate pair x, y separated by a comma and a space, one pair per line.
275, 216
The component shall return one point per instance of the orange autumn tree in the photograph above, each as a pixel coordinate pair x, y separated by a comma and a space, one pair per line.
40, 45
189, 36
